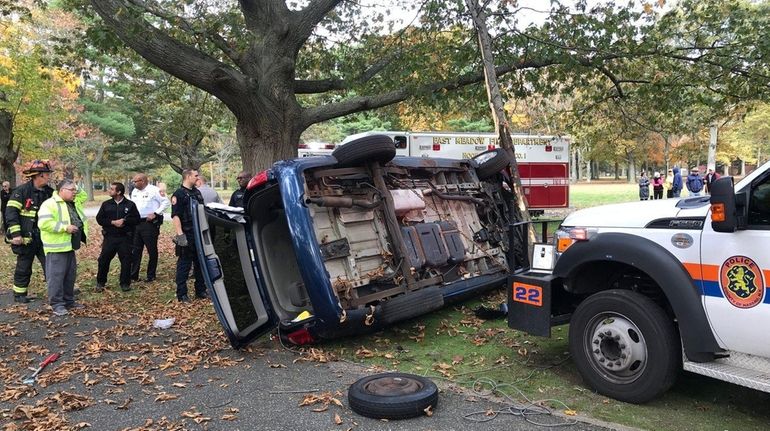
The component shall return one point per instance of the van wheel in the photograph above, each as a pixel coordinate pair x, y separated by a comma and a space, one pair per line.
624, 345
491, 162
374, 148
392, 396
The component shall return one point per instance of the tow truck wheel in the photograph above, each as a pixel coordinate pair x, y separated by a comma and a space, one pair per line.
624, 345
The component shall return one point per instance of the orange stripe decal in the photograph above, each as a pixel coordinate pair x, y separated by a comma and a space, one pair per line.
694, 270
706, 272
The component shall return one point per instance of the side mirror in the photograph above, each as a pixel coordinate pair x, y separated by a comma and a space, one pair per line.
723, 213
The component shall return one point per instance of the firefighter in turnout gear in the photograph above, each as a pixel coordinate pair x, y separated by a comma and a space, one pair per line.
21, 215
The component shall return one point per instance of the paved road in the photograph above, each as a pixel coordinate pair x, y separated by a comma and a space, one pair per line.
261, 388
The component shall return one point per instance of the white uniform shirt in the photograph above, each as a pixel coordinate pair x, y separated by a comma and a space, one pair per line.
149, 200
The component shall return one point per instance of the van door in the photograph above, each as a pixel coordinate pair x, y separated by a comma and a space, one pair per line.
228, 271
735, 267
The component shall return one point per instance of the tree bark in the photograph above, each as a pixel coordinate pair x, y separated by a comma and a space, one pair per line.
497, 108
8, 153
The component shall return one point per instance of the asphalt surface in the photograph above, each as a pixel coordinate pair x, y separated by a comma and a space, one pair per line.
260, 388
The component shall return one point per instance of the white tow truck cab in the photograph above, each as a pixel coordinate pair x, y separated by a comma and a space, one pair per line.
543, 161
647, 286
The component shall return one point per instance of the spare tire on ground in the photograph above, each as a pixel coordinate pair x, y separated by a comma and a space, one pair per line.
374, 148
392, 396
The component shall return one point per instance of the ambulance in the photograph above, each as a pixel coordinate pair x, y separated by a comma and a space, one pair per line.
650, 288
543, 160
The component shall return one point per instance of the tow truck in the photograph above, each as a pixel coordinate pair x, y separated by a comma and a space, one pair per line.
650, 288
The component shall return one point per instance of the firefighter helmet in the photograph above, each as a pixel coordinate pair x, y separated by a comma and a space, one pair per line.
37, 167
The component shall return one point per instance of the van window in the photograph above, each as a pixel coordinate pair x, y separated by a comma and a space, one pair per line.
400, 142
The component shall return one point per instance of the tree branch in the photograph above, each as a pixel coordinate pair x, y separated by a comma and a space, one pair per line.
324, 85
176, 58
305, 20
357, 104
175, 20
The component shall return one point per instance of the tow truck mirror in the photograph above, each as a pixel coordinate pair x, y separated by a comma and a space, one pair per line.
723, 208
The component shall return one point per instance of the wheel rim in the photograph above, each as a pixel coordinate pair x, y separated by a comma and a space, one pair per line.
615, 347
483, 158
393, 386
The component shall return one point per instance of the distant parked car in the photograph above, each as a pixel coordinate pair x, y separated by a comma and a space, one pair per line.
338, 245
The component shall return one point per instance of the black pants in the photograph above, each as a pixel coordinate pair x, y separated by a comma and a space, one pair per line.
112, 245
186, 258
657, 193
25, 256
145, 235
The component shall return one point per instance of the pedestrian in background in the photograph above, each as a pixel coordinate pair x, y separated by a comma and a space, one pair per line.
709, 179
5, 196
236, 200
63, 227
118, 218
181, 216
644, 187
657, 186
676, 185
21, 218
150, 204
668, 183
209, 195
694, 182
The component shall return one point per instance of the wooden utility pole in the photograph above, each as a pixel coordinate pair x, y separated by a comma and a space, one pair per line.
495, 97
497, 107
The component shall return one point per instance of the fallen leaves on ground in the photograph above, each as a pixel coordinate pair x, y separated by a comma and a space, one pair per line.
325, 399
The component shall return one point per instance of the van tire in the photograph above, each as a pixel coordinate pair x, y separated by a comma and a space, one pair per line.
393, 396
491, 162
410, 305
624, 345
374, 148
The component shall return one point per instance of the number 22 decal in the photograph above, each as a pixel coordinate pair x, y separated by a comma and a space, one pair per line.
528, 294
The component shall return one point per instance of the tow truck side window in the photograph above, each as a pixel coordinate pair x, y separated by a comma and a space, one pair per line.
759, 205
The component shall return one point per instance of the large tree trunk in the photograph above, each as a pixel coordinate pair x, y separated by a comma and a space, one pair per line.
264, 139
7, 153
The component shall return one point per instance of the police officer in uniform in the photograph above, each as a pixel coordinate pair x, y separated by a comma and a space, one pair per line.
181, 216
21, 217
236, 200
151, 204
118, 217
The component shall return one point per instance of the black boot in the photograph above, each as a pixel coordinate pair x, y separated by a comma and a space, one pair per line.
20, 297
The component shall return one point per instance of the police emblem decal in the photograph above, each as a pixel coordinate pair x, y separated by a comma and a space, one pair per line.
741, 281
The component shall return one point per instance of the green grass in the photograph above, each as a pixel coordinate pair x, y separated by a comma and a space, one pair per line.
601, 192
456, 347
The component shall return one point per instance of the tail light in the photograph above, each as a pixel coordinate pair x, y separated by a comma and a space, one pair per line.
258, 180
300, 337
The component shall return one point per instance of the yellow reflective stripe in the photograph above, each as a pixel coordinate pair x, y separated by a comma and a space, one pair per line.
19, 289
30, 214
45, 216
15, 228
59, 223
57, 245
14, 204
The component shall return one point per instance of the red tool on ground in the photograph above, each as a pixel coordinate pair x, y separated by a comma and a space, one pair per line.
30, 380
